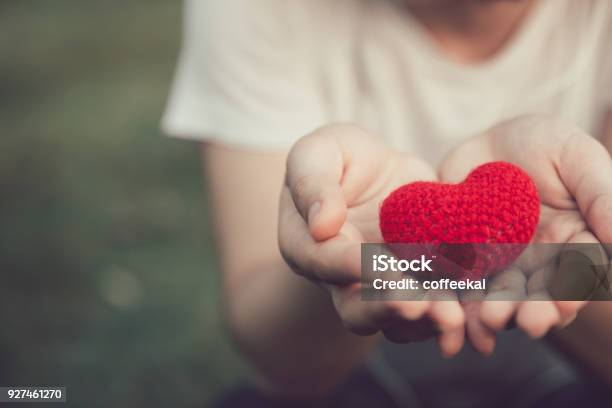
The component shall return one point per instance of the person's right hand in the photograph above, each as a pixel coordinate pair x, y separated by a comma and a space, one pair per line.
336, 179
573, 174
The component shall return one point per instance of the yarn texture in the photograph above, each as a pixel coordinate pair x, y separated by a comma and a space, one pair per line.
497, 203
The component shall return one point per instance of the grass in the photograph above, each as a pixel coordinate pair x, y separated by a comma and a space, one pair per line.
109, 281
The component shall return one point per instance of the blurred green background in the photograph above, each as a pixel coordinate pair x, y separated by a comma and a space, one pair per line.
108, 275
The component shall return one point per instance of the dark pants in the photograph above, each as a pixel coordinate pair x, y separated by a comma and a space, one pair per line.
362, 390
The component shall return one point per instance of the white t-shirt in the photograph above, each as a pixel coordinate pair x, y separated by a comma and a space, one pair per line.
261, 73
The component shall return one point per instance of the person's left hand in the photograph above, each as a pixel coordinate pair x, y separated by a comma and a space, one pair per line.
573, 175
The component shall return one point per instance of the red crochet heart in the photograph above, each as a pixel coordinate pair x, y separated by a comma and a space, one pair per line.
497, 203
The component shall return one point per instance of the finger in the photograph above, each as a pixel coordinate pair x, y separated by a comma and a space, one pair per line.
577, 276
496, 315
539, 283
537, 317
567, 318
337, 260
506, 290
582, 267
443, 318
586, 170
481, 337
538, 313
445, 310
448, 316
315, 167
510, 282
367, 317
535, 257
579, 259
451, 342
568, 310
354, 313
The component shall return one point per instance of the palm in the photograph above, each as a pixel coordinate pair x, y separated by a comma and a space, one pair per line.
385, 176
559, 225
560, 218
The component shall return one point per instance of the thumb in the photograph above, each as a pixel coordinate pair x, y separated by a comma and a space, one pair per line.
585, 168
321, 204
315, 167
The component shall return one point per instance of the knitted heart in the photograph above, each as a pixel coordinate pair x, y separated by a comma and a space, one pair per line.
496, 204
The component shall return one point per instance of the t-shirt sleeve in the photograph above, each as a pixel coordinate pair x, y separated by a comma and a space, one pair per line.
244, 77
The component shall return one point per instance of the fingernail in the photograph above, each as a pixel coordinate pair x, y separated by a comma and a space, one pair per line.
313, 212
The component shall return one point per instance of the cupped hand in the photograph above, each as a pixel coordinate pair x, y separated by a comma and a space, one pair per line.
335, 181
573, 174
